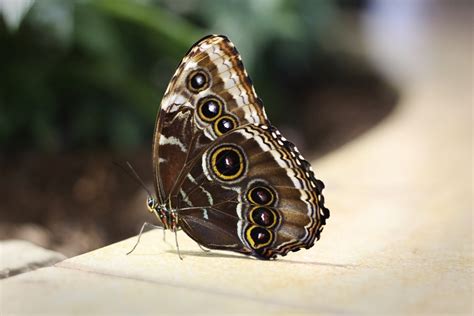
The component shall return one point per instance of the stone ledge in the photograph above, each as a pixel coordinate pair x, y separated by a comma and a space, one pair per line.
18, 256
153, 279
60, 291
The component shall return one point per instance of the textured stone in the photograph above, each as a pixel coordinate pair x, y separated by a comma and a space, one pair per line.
58, 291
17, 256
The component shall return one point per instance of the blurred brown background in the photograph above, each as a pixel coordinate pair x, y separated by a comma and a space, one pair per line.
81, 83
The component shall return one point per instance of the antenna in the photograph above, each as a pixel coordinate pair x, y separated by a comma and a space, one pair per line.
134, 175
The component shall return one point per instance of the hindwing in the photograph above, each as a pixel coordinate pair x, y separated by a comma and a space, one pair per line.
251, 191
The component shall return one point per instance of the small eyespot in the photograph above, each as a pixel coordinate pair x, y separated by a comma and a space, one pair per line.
197, 80
209, 108
263, 216
261, 195
224, 124
227, 162
258, 237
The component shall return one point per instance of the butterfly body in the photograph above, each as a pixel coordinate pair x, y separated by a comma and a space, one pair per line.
223, 173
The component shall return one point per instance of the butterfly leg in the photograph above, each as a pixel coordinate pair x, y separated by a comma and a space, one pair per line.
177, 245
146, 224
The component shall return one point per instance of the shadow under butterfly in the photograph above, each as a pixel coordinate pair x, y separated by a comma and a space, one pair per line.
222, 173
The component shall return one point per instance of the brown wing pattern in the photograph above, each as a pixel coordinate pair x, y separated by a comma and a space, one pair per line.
182, 130
235, 182
292, 220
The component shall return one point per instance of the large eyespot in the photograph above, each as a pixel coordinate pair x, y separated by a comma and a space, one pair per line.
263, 216
227, 162
261, 195
258, 237
224, 124
197, 80
209, 108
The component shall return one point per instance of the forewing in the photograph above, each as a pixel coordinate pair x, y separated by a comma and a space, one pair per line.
209, 95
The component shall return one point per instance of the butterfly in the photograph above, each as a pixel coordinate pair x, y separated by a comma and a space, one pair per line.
222, 173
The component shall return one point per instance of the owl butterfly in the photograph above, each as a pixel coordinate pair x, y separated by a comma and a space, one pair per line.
222, 173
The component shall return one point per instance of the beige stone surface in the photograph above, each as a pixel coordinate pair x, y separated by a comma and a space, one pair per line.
18, 256
57, 291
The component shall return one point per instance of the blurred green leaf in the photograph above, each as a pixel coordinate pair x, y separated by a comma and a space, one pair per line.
174, 28
91, 73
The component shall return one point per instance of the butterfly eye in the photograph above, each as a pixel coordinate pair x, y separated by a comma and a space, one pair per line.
227, 162
261, 195
150, 202
258, 237
209, 108
224, 124
197, 81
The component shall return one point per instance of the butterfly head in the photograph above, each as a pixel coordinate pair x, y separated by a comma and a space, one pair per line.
167, 218
151, 204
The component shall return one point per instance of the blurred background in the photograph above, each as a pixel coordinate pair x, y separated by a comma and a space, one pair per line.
81, 83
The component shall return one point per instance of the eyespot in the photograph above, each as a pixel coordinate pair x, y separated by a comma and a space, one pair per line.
258, 237
261, 195
197, 80
224, 124
227, 162
209, 108
263, 216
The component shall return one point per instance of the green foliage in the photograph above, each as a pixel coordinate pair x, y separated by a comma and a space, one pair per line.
92, 73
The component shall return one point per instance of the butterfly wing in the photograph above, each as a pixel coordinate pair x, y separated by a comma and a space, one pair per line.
234, 181
209, 95
251, 191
